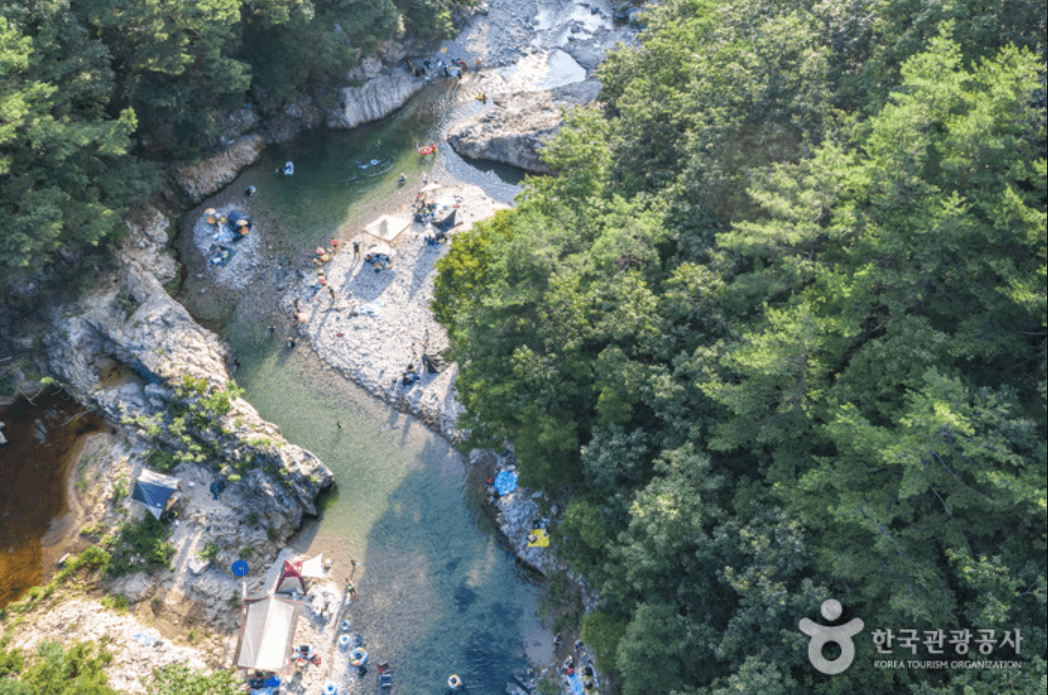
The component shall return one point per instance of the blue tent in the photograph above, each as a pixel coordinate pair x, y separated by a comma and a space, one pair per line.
506, 482
156, 492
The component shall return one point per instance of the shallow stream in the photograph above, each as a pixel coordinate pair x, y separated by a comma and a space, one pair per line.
438, 594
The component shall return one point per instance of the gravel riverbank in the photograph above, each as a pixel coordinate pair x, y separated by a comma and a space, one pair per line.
377, 325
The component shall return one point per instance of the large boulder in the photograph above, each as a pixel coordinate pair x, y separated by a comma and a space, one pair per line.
214, 173
379, 97
517, 129
132, 321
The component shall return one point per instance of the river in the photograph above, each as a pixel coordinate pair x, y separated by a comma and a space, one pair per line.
438, 593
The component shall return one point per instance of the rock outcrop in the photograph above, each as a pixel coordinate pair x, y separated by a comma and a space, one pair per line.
124, 636
134, 322
380, 96
519, 127
519, 513
296, 115
217, 171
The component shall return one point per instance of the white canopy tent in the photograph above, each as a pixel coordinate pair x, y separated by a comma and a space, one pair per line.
267, 633
387, 228
313, 567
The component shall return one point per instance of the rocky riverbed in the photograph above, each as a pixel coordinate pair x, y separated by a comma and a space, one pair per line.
373, 325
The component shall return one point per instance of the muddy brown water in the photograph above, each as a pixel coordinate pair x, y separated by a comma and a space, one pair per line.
38, 517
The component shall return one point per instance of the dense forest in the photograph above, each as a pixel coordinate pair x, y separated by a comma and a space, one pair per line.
777, 330
94, 93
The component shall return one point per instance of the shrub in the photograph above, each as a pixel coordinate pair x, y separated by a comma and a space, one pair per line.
209, 552
126, 302
176, 679
603, 633
162, 461
51, 671
120, 488
11, 662
548, 686
148, 539
117, 602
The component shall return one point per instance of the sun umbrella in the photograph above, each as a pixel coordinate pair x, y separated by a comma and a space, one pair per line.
242, 222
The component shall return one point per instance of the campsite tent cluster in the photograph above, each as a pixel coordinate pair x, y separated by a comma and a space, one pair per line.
267, 625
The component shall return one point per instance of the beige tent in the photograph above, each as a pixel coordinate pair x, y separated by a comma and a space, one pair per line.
267, 633
387, 228
313, 567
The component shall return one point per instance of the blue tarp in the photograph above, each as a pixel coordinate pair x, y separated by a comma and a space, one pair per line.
269, 687
506, 482
144, 638
154, 490
575, 683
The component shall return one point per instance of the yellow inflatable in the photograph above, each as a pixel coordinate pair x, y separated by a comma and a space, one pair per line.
538, 538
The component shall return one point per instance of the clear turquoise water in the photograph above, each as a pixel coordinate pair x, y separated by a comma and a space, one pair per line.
344, 179
437, 593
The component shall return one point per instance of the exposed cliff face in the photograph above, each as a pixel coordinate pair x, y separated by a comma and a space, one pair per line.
515, 131
380, 96
296, 115
217, 171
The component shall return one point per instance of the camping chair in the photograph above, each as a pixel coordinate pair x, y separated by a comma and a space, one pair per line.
385, 675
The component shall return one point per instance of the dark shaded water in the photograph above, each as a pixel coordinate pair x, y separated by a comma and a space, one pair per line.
45, 438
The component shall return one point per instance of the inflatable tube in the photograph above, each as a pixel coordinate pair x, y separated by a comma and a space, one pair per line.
330, 688
428, 149
454, 682
344, 626
343, 641
358, 657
